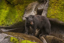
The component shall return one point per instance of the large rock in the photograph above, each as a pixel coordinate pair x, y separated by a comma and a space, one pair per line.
52, 39
3, 38
19, 36
36, 8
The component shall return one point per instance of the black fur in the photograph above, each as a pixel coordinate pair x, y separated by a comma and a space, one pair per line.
37, 22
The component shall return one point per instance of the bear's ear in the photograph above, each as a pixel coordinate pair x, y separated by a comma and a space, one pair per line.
26, 17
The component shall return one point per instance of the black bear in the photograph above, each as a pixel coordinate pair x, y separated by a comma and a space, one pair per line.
37, 22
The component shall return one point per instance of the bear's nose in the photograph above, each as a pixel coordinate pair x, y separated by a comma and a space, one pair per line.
31, 23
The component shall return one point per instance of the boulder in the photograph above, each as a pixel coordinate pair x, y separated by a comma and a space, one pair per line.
5, 37
52, 39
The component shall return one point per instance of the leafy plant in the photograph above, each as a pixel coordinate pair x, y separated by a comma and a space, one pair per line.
15, 40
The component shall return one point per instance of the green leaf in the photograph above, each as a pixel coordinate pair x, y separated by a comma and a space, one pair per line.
27, 41
14, 40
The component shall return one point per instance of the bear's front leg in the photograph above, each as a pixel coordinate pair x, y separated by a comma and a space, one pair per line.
34, 30
26, 28
48, 29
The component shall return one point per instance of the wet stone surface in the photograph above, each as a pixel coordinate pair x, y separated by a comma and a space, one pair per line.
17, 37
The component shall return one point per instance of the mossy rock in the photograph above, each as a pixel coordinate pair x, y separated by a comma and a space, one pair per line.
20, 37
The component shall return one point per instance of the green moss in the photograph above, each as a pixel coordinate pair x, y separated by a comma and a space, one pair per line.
12, 12
27, 41
15, 40
55, 9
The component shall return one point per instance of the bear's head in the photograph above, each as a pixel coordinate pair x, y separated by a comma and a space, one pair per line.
30, 19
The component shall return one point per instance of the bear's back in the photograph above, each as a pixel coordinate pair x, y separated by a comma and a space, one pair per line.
39, 17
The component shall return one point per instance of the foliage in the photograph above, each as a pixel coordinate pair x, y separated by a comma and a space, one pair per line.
27, 41
12, 11
55, 9
15, 40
